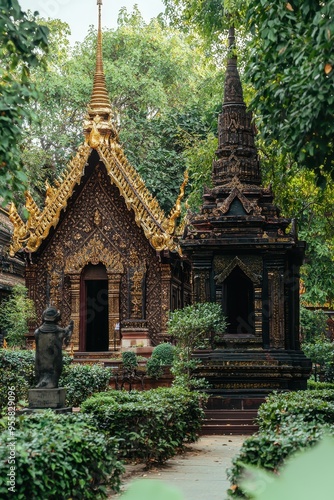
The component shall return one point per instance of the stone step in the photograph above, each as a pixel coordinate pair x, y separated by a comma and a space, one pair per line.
222, 422
99, 354
231, 414
226, 421
229, 429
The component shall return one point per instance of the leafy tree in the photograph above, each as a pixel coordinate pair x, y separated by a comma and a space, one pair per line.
313, 323
193, 327
15, 313
291, 68
22, 45
162, 88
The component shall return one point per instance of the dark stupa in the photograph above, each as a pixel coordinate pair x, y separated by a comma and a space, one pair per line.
247, 258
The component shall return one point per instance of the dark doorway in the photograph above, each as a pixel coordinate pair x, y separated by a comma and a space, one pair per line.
94, 317
238, 302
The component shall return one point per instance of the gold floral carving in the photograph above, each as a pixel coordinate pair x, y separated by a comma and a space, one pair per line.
94, 252
37, 228
148, 214
158, 229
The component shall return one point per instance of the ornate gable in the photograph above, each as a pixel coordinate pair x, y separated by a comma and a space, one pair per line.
100, 135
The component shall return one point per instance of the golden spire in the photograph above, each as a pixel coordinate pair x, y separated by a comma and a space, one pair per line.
99, 102
98, 124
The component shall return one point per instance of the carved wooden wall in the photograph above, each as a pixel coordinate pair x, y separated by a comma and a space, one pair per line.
98, 227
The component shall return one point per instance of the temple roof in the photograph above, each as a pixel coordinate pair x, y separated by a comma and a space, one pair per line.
100, 135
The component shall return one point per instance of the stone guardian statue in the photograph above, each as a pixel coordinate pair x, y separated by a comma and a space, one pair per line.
49, 339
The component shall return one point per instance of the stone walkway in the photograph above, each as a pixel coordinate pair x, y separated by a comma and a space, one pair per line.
199, 473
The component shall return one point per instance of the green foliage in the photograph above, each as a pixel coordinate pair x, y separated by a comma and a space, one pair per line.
295, 108
129, 360
81, 381
209, 17
312, 385
162, 355
288, 422
16, 370
22, 45
269, 450
150, 489
59, 456
193, 327
309, 405
308, 475
15, 313
164, 352
321, 352
313, 323
152, 425
162, 87
299, 198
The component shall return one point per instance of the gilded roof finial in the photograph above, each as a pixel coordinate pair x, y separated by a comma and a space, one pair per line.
98, 124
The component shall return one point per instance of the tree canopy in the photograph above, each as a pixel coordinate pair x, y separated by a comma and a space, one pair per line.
292, 70
23, 43
162, 87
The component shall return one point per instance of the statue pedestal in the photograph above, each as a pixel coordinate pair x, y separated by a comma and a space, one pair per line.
47, 398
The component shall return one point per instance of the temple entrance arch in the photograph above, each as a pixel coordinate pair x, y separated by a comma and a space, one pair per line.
94, 311
238, 302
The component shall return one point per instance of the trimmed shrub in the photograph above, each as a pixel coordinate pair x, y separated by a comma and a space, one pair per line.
311, 405
270, 450
162, 355
81, 381
17, 369
153, 424
59, 456
312, 385
288, 422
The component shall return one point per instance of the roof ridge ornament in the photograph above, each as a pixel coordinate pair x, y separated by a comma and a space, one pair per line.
98, 124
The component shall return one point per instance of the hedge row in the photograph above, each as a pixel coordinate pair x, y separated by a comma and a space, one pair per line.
152, 425
57, 457
288, 422
17, 369
316, 405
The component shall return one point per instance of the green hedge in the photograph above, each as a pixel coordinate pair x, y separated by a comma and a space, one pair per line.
153, 424
317, 405
59, 456
288, 422
81, 381
162, 355
17, 369
312, 385
268, 450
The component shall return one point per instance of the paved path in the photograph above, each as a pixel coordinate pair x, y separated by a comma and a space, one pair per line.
200, 473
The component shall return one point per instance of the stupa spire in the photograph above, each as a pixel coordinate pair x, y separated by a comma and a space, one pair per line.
237, 154
99, 101
98, 124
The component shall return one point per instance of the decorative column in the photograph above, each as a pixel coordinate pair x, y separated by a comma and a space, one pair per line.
276, 308
30, 281
202, 279
114, 286
166, 277
75, 309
